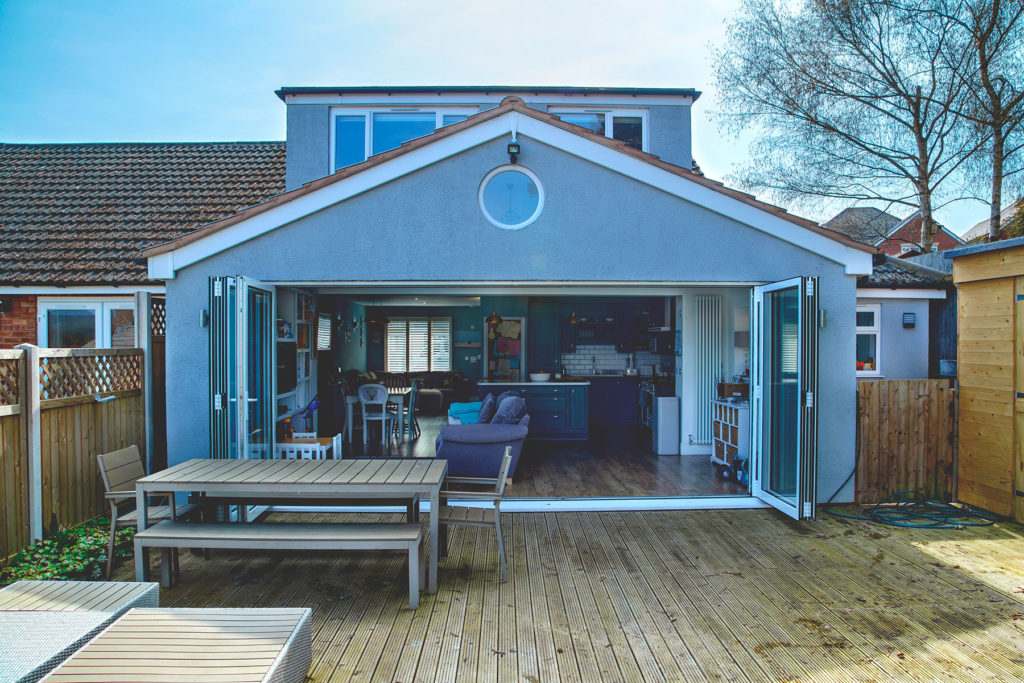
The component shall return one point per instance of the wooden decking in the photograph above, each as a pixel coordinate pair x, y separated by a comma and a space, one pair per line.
695, 595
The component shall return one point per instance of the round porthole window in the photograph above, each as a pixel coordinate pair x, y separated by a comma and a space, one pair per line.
511, 197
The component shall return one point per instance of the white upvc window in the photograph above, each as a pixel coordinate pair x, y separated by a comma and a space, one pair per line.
358, 134
86, 323
627, 125
418, 345
869, 340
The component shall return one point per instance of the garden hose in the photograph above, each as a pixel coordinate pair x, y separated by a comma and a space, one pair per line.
908, 509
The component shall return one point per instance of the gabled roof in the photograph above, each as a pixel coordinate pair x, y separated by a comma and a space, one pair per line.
896, 273
980, 229
913, 222
512, 114
865, 224
81, 214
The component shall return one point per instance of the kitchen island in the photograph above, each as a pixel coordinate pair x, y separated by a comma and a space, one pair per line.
558, 409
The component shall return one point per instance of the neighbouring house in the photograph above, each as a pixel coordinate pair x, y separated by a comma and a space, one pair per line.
1011, 224
904, 330
500, 231
74, 219
989, 279
889, 234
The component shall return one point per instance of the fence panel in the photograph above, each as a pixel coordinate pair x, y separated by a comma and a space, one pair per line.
14, 527
906, 439
91, 403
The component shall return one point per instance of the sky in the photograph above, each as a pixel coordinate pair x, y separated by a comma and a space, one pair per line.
206, 70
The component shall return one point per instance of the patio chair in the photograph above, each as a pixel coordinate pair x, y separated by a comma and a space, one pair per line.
119, 471
374, 400
478, 489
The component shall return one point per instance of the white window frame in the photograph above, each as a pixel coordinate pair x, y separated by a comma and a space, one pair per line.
876, 330
101, 313
430, 319
368, 112
517, 169
609, 119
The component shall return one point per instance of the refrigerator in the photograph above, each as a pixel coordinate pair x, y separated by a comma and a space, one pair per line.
665, 426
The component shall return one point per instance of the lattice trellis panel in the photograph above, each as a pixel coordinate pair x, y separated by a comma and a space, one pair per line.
10, 369
158, 317
71, 376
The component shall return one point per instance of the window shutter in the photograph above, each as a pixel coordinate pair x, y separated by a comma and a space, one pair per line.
441, 344
396, 351
419, 345
323, 332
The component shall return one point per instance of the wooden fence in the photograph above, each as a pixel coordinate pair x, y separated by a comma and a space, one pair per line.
59, 408
906, 439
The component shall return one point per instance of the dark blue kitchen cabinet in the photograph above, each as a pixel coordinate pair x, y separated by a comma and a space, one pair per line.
614, 400
558, 412
543, 342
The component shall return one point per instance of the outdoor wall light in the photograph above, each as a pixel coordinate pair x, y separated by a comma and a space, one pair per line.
909, 320
513, 151
5, 307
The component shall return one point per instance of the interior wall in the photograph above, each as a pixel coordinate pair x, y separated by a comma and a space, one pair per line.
351, 354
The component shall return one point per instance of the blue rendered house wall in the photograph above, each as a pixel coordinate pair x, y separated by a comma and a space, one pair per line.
427, 226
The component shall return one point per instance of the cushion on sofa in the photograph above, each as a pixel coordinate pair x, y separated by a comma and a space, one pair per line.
510, 411
464, 413
506, 394
487, 409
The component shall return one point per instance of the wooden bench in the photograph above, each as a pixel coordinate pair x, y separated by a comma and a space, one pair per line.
234, 645
169, 535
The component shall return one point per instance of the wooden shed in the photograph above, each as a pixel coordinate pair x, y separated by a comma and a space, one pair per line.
990, 368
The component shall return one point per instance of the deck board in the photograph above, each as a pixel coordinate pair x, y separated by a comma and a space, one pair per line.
690, 595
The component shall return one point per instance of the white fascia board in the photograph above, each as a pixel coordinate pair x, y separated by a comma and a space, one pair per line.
80, 290
482, 99
901, 294
326, 196
855, 261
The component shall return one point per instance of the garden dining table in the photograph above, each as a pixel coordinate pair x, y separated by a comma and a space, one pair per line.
305, 481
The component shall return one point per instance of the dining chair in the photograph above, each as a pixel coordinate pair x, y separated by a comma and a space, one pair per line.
405, 412
300, 451
374, 400
477, 489
119, 471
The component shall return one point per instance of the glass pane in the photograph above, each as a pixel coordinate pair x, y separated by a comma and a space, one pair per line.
866, 352
71, 329
122, 328
441, 345
629, 129
258, 349
419, 346
349, 140
592, 122
449, 119
511, 197
391, 130
865, 318
782, 387
395, 355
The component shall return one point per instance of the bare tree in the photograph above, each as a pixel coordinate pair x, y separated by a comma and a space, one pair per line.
992, 33
850, 99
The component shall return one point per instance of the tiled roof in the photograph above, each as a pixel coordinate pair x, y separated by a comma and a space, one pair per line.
863, 223
83, 213
509, 104
895, 273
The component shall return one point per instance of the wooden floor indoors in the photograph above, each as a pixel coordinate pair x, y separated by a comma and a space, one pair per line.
658, 596
614, 462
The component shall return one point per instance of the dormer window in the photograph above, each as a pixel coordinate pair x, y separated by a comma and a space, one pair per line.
626, 125
359, 133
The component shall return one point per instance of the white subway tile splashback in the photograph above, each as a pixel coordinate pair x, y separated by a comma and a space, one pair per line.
604, 358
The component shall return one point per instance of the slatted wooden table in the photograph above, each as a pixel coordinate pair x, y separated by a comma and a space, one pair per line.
156, 645
307, 480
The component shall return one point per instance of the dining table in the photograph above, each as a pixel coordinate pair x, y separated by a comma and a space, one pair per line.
351, 401
305, 481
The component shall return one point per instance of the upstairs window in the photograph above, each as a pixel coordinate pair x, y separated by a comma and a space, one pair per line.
418, 345
626, 125
359, 134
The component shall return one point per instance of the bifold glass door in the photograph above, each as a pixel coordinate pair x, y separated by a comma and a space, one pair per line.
784, 354
242, 364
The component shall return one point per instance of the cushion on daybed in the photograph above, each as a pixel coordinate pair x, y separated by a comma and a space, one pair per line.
487, 409
510, 411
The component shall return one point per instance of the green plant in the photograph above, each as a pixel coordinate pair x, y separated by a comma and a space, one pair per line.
76, 553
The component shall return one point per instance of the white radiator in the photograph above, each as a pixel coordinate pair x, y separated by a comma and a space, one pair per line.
707, 325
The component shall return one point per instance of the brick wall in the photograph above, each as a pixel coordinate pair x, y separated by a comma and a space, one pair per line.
18, 325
